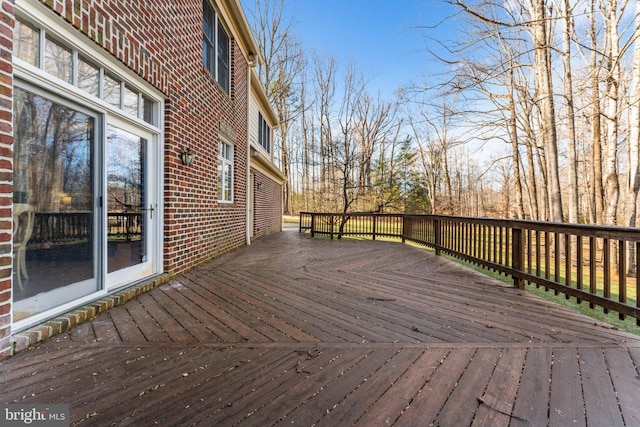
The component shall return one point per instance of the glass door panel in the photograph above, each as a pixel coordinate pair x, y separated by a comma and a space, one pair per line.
129, 207
53, 212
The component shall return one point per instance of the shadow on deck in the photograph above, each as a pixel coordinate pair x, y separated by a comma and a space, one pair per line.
296, 331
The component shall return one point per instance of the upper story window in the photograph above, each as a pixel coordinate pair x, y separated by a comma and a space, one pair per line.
225, 172
27, 43
37, 48
264, 133
216, 51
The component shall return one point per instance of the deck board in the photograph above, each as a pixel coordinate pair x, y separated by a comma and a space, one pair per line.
567, 404
425, 406
496, 403
298, 331
531, 403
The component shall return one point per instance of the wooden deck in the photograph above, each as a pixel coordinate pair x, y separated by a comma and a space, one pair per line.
296, 331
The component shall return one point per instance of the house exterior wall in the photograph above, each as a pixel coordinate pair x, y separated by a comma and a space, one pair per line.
162, 43
267, 209
151, 39
268, 179
198, 114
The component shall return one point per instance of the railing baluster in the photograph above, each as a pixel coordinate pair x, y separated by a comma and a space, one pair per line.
556, 267
568, 270
495, 244
437, 225
607, 270
579, 261
547, 258
500, 246
622, 275
517, 256
638, 280
375, 224
593, 275
529, 251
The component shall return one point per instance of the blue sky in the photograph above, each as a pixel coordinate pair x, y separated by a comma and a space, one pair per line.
379, 36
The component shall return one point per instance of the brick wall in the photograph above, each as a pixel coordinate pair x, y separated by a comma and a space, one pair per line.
267, 208
6, 172
162, 42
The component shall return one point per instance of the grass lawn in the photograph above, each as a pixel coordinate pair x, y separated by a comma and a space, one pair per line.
289, 219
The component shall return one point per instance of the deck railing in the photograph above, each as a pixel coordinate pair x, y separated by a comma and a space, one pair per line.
52, 229
595, 264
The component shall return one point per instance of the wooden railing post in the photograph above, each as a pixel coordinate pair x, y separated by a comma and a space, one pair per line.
437, 230
375, 223
517, 256
332, 227
313, 225
403, 230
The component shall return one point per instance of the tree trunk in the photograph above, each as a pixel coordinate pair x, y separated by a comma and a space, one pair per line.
517, 180
596, 131
544, 86
611, 117
572, 167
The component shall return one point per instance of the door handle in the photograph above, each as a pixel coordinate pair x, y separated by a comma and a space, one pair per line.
150, 209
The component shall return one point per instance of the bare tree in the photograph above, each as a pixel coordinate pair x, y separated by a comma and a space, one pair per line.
611, 112
572, 166
544, 89
279, 72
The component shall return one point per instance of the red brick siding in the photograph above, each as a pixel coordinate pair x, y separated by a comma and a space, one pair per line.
7, 23
162, 42
267, 205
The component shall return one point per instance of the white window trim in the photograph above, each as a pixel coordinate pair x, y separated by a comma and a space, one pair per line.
224, 161
41, 17
262, 120
216, 42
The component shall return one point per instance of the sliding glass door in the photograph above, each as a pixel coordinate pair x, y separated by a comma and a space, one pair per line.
85, 218
54, 212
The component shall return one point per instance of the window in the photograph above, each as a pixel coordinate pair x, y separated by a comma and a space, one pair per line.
27, 43
58, 61
264, 133
131, 101
225, 172
38, 48
215, 47
88, 77
111, 90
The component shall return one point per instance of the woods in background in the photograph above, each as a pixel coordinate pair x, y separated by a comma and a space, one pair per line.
534, 113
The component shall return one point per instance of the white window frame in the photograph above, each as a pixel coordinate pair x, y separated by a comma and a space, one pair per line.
226, 155
213, 47
264, 133
49, 26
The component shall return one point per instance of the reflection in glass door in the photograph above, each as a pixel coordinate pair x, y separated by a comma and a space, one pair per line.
129, 208
53, 210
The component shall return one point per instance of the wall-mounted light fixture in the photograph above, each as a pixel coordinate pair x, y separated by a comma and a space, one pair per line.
187, 155
259, 186
252, 59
